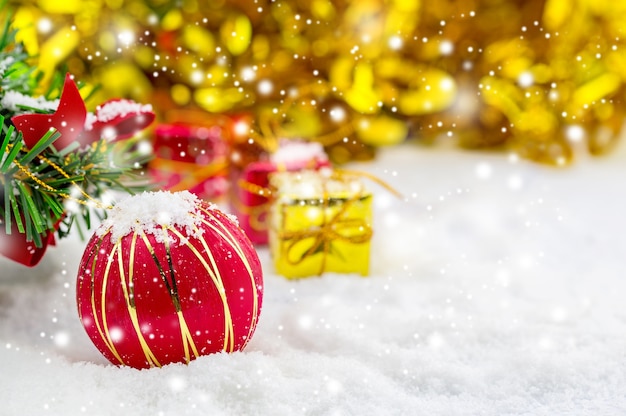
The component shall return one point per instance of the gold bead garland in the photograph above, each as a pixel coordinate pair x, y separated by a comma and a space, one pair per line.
88, 201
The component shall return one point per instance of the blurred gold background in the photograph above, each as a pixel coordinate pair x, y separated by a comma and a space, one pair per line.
542, 79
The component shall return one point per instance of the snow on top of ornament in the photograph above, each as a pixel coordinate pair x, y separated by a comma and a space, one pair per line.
297, 152
150, 211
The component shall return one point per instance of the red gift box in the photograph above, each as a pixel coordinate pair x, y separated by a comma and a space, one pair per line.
191, 158
250, 184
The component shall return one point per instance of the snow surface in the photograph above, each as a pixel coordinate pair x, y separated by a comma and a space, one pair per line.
497, 288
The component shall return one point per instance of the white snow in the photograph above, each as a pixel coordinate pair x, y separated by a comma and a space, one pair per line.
498, 294
149, 212
298, 152
13, 101
113, 109
5, 64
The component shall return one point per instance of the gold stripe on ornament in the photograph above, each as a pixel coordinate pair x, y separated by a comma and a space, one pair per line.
228, 236
217, 281
81, 282
104, 330
233, 242
214, 271
129, 296
94, 310
186, 337
170, 289
170, 267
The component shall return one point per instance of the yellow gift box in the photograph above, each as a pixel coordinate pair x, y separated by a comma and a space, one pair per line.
320, 221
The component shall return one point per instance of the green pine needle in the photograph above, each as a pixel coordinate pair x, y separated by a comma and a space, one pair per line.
9, 161
41, 145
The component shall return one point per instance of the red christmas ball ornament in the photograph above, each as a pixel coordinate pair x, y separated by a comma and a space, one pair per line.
167, 278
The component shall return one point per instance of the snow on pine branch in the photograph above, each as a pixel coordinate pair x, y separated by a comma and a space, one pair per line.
19, 103
6, 63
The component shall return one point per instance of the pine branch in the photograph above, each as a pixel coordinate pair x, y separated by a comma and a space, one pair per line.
39, 184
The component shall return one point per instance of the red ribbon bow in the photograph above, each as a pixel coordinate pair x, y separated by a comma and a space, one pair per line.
15, 247
115, 119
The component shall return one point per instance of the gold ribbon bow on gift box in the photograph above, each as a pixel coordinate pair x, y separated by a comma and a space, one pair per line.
336, 228
329, 228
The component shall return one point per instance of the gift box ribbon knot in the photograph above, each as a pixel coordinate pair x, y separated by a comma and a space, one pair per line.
335, 228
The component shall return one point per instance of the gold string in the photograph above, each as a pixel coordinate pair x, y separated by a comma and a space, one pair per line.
331, 230
326, 233
255, 189
337, 174
349, 172
256, 212
51, 189
270, 129
195, 176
